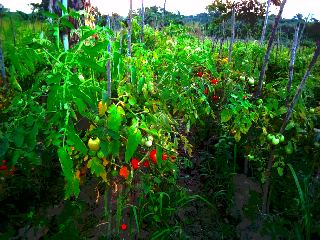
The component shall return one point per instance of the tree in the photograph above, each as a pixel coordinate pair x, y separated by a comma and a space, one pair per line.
3, 9
249, 12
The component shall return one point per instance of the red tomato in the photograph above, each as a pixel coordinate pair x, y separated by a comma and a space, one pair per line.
123, 226
124, 172
206, 91
3, 168
153, 156
214, 81
135, 163
164, 157
146, 164
215, 98
200, 74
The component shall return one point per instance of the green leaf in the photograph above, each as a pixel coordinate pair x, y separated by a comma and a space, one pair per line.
15, 156
50, 15
133, 74
78, 143
134, 209
134, 139
141, 82
73, 184
66, 163
115, 117
80, 105
115, 147
159, 154
290, 125
19, 137
53, 79
87, 34
66, 23
280, 171
72, 187
105, 148
225, 115
157, 180
53, 96
132, 101
95, 166
31, 137
85, 61
4, 145
237, 137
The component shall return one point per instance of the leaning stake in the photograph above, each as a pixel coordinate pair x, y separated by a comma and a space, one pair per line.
267, 55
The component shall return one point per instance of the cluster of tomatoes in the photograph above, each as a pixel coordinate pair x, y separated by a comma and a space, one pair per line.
214, 82
4, 168
135, 163
94, 145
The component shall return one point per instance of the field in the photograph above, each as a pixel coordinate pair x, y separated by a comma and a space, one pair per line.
173, 137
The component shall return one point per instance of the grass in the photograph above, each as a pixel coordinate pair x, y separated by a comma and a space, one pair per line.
13, 28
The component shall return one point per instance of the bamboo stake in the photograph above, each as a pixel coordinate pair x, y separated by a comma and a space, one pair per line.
129, 29
233, 20
109, 63
267, 55
2, 66
65, 37
142, 22
163, 13
292, 59
13, 30
265, 23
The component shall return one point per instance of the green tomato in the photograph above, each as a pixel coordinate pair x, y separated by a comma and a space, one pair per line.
81, 77
92, 153
100, 154
289, 148
311, 110
148, 143
150, 138
270, 137
242, 78
275, 141
260, 101
251, 81
114, 173
281, 138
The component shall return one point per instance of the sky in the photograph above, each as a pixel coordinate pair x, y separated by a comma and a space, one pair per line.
186, 7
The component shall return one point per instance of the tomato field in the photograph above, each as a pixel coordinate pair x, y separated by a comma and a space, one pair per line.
169, 136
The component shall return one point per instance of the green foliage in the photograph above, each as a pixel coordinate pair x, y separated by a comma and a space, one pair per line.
170, 86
